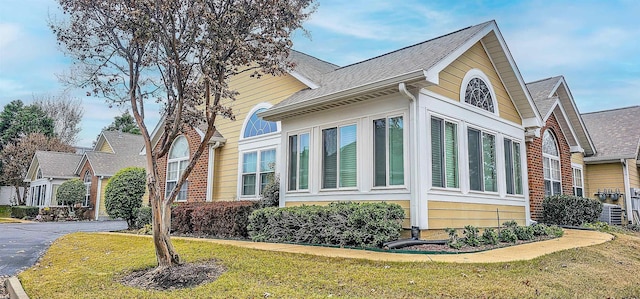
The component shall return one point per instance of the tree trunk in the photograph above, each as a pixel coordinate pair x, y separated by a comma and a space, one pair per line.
165, 252
20, 199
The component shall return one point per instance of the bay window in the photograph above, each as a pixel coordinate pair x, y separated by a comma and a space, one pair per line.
482, 161
339, 157
388, 151
299, 162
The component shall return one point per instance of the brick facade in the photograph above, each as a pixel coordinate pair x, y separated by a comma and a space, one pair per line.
536, 170
93, 193
197, 180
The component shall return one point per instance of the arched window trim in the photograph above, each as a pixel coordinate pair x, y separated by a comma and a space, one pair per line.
248, 116
476, 73
180, 162
553, 161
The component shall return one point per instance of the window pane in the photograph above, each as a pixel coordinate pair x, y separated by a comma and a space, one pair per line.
304, 161
182, 195
555, 169
249, 162
557, 188
172, 171
293, 162
489, 162
249, 184
451, 154
348, 156
396, 152
180, 148
380, 152
508, 166
547, 167
265, 178
547, 188
268, 160
257, 126
517, 168
578, 192
437, 151
169, 188
329, 158
475, 160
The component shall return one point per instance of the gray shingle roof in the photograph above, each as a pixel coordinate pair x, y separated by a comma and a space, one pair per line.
58, 165
311, 67
615, 133
127, 149
540, 91
421, 56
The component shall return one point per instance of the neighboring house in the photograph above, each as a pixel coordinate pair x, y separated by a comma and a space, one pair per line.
613, 171
113, 151
47, 171
556, 158
243, 153
439, 128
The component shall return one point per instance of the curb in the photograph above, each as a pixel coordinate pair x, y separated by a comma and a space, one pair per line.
14, 288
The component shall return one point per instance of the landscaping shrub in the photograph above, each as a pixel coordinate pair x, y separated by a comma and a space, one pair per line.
143, 217
490, 236
524, 233
344, 224
21, 212
222, 219
271, 193
507, 235
71, 192
471, 236
5, 211
570, 210
123, 195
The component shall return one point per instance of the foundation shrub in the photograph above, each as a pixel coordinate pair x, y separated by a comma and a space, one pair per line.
471, 236
21, 212
223, 219
143, 217
570, 210
490, 236
344, 224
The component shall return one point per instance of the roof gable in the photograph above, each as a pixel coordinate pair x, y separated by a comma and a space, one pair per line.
418, 66
55, 165
550, 92
615, 133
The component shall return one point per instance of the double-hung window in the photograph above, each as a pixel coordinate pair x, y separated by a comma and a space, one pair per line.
388, 151
257, 171
444, 153
482, 161
578, 187
513, 167
551, 165
176, 164
87, 187
339, 157
299, 162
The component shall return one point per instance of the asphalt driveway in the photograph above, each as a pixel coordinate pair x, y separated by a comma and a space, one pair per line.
21, 244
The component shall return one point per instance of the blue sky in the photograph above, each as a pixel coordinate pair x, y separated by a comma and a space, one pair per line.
594, 44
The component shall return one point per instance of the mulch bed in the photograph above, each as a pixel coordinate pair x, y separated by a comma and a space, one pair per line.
185, 275
435, 248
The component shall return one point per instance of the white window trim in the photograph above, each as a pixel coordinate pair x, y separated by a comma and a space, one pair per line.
522, 145
87, 185
178, 160
552, 158
246, 121
309, 167
338, 125
458, 124
575, 166
477, 73
258, 152
499, 159
405, 151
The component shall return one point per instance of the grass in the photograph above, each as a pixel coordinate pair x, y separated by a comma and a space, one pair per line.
8, 220
85, 265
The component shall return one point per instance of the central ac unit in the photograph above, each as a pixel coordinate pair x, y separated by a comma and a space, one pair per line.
611, 214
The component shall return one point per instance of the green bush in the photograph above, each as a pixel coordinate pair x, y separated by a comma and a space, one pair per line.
71, 192
123, 195
21, 212
490, 236
524, 233
143, 217
5, 211
555, 231
271, 193
220, 219
539, 229
471, 236
507, 235
344, 224
570, 210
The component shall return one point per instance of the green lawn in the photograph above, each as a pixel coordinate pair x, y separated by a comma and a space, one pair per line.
85, 265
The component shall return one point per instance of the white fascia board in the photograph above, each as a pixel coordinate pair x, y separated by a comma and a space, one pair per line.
576, 149
568, 122
574, 108
272, 113
79, 166
531, 122
306, 81
32, 168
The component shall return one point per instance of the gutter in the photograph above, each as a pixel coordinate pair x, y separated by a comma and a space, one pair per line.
627, 187
273, 113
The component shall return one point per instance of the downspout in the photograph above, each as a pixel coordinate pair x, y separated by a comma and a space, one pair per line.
211, 168
627, 189
97, 211
415, 192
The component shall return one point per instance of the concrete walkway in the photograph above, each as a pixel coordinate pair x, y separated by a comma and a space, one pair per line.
571, 239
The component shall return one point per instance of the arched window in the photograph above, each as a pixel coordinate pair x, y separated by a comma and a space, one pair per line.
476, 90
87, 185
176, 164
551, 164
39, 174
257, 126
257, 156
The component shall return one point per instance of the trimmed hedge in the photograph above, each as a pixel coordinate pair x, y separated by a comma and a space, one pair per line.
223, 219
570, 210
344, 224
20, 212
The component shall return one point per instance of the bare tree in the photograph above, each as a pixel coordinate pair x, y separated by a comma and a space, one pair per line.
17, 157
181, 53
66, 113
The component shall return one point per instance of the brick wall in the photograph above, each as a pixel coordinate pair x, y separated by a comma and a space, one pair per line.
197, 180
536, 171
